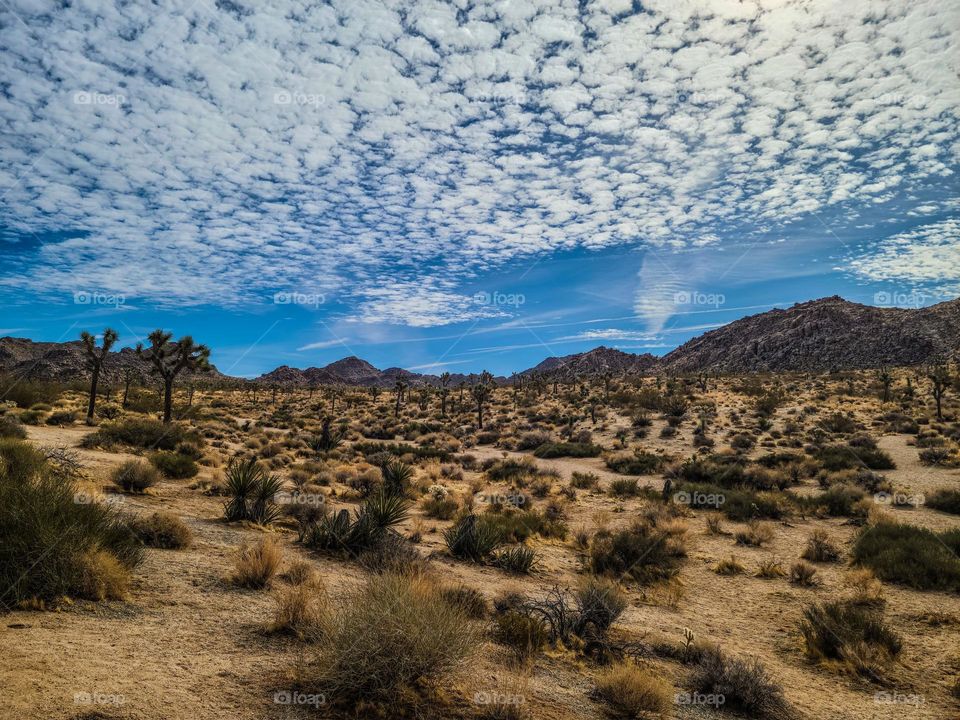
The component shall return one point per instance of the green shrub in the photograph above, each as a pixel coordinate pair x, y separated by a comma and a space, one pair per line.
567, 449
61, 417
640, 552
637, 463
524, 634
911, 556
518, 559
850, 634
11, 427
27, 393
844, 457
32, 417
252, 492
141, 433
745, 685
584, 481
54, 543
135, 476
162, 530
441, 508
520, 525
624, 487
839, 500
511, 470
174, 465
945, 500
474, 537
338, 532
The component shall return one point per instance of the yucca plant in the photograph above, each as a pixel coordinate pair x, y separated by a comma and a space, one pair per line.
251, 492
336, 531
517, 559
397, 476
473, 538
329, 438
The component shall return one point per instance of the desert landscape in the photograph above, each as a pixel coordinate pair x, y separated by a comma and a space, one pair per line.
579, 543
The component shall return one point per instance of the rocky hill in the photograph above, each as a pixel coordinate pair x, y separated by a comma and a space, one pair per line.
64, 362
595, 362
823, 335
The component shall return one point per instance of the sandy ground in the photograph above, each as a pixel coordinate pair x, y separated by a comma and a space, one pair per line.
188, 646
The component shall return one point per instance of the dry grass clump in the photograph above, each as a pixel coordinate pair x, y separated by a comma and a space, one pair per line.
387, 637
771, 569
302, 605
102, 576
162, 530
803, 574
756, 534
257, 564
820, 548
135, 476
730, 566
632, 692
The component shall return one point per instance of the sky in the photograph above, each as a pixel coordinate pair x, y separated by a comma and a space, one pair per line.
469, 185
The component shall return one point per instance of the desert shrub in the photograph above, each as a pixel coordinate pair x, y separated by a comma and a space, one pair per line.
820, 548
252, 492
135, 476
468, 599
745, 685
770, 569
392, 553
911, 556
637, 463
390, 635
624, 487
27, 393
61, 417
839, 500
420, 452
641, 552
935, 456
599, 603
631, 692
725, 472
302, 607
945, 500
742, 441
756, 534
518, 559
738, 505
524, 634
441, 508
511, 470
32, 417
584, 480
730, 566
52, 544
520, 525
839, 423
257, 564
139, 432
174, 465
474, 537
803, 574
843, 457
532, 440
567, 449
11, 427
851, 636
162, 530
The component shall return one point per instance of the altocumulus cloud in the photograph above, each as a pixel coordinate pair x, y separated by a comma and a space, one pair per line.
217, 152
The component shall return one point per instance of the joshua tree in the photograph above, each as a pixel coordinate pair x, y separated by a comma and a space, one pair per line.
127, 377
444, 391
481, 391
939, 375
886, 379
169, 359
95, 358
399, 388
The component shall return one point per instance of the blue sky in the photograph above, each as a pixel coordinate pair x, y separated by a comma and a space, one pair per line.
469, 185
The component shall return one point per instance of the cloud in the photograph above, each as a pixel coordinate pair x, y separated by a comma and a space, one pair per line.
217, 153
609, 334
323, 344
928, 256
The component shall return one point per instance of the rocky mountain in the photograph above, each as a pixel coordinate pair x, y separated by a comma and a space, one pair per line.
823, 335
66, 361
595, 362
356, 371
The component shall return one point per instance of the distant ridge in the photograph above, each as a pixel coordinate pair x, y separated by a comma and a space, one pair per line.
817, 336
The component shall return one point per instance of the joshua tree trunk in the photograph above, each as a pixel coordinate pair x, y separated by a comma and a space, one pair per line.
480, 416
167, 400
126, 391
91, 406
